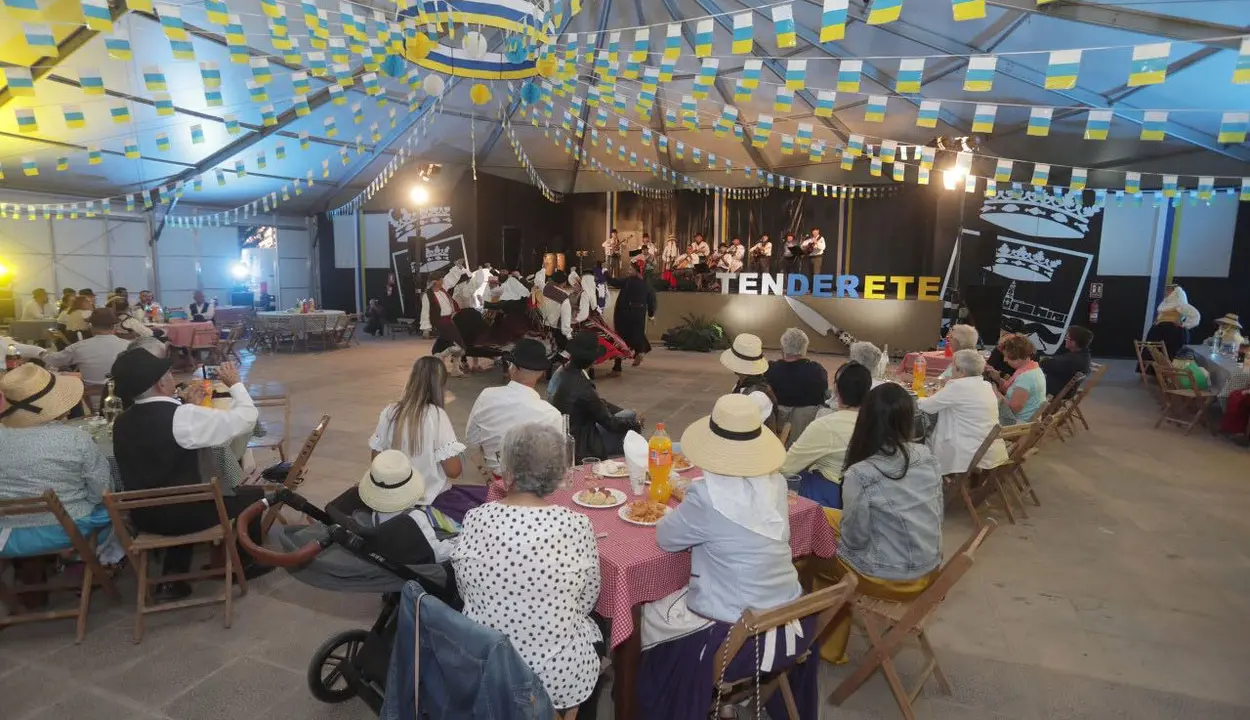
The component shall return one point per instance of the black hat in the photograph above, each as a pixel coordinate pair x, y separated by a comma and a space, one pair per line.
136, 370
584, 347
529, 354
559, 277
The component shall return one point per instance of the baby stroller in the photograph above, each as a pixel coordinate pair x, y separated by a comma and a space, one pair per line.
341, 553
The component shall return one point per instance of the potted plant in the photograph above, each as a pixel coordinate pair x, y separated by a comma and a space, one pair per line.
696, 334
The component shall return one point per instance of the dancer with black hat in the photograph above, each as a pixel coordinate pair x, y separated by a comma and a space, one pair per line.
598, 427
635, 304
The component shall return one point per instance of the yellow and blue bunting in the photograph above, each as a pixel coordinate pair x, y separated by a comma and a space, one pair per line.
1041, 175
212, 98
874, 111
980, 74
130, 149
1062, 69
849, 72
743, 34
910, 76
1079, 177
23, 9
1154, 125
162, 142
119, 111
703, 36
219, 13
1233, 126
30, 168
1098, 125
884, 11
1132, 183
983, 118
968, 9
927, 114
171, 22
154, 79
1171, 184
1002, 170
257, 92
118, 46
26, 122
1150, 64
707, 74
182, 49
232, 124
784, 101
39, 38
824, 103
796, 74
74, 118
267, 116
262, 74
833, 20
1039, 121
783, 26
763, 127
197, 134
93, 155
1241, 71
19, 81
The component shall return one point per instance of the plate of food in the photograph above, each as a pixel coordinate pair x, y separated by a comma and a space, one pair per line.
643, 512
597, 498
681, 463
611, 469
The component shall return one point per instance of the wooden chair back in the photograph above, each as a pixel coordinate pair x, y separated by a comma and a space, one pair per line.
960, 483
955, 568
1052, 406
1148, 354
205, 339
824, 603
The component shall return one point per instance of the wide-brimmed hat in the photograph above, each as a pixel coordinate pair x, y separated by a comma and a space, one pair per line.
584, 347
733, 440
36, 396
529, 354
391, 484
1229, 319
102, 317
745, 356
136, 370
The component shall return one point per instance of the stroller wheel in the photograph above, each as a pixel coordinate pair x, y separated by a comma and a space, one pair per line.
325, 674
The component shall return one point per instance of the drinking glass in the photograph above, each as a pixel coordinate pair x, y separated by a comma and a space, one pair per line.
590, 464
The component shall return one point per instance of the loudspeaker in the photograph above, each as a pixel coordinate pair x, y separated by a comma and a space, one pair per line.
985, 305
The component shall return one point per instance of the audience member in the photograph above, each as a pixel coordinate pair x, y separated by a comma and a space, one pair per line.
498, 409
74, 322
40, 307
67, 300
94, 356
871, 357
745, 357
155, 442
201, 310
392, 487
1022, 394
817, 455
419, 427
1008, 327
88, 293
891, 527
125, 320
735, 523
800, 384
966, 410
598, 427
530, 569
1061, 368
960, 337
38, 453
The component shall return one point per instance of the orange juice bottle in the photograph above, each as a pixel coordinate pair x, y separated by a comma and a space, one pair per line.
918, 370
660, 464
208, 394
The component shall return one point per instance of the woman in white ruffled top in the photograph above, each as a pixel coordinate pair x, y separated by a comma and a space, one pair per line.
419, 427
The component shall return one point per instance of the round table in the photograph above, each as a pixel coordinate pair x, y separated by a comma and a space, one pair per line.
300, 323
181, 334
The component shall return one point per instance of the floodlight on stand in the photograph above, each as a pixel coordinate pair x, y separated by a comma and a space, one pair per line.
5, 272
240, 271
419, 195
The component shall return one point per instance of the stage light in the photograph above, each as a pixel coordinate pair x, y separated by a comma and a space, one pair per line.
240, 271
419, 195
5, 272
951, 178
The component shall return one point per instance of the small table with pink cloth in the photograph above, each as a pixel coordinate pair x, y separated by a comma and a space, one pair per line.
181, 334
935, 362
634, 570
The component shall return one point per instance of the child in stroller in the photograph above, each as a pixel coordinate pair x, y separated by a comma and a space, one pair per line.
369, 539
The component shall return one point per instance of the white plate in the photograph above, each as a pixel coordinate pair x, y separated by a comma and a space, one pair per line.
618, 498
623, 514
622, 470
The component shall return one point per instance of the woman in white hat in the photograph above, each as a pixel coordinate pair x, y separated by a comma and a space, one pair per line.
392, 487
1228, 337
746, 359
736, 525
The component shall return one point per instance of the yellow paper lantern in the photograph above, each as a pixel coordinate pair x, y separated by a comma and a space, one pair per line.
546, 66
479, 94
419, 47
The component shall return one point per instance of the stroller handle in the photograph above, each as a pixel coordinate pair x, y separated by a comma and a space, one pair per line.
268, 557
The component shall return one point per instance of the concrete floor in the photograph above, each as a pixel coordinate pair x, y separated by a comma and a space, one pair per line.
1124, 596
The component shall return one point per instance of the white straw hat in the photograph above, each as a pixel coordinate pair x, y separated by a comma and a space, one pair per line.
732, 440
36, 396
745, 356
1229, 319
391, 484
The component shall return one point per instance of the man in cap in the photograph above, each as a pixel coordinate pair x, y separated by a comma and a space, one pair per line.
94, 356
156, 442
598, 427
499, 409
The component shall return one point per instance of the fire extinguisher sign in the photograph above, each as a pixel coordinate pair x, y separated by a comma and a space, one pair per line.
1095, 291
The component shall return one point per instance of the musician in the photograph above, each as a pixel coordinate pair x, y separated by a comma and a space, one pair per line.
686, 261
670, 254
612, 251
731, 257
792, 255
762, 253
700, 246
814, 249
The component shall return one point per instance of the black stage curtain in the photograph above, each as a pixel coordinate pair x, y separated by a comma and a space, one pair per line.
890, 235
693, 212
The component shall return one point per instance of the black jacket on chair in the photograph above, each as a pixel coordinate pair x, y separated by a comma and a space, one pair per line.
577, 397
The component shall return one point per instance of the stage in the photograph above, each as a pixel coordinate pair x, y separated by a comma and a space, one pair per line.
903, 325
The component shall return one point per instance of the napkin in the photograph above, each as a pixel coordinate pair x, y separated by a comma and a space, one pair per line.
766, 405
636, 448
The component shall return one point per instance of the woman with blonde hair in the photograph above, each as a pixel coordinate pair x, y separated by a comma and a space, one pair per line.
73, 321
419, 427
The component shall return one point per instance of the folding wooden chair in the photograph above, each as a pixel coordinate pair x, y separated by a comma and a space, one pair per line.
1073, 408
276, 433
295, 473
347, 335
824, 604
1146, 359
226, 345
1008, 479
960, 483
1055, 406
888, 624
93, 573
1177, 396
138, 547
1158, 359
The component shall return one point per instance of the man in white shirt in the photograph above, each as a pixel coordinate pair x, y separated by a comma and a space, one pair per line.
762, 254
735, 252
669, 256
437, 311
700, 247
967, 410
556, 310
39, 308
587, 298
612, 251
94, 356
814, 247
499, 409
201, 310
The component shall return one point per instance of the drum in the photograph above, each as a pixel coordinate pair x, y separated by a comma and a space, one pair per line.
549, 263
560, 262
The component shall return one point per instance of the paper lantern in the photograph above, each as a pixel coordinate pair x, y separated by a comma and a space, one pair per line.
434, 85
516, 49
479, 94
394, 65
530, 93
546, 66
419, 47
475, 44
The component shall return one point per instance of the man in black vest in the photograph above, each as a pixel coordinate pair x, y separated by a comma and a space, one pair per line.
156, 442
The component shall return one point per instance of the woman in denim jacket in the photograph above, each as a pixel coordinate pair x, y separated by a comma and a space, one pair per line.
891, 529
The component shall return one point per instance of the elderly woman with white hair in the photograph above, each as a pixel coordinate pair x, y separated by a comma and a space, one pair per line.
530, 569
800, 385
960, 337
871, 357
967, 410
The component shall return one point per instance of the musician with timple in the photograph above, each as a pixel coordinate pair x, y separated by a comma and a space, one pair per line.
792, 254
686, 261
731, 257
612, 251
700, 247
813, 248
762, 254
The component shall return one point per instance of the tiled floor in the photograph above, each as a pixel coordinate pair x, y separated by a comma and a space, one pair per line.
1124, 596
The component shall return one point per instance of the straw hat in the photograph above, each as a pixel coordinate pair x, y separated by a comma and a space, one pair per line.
36, 396
745, 356
732, 440
1229, 319
391, 484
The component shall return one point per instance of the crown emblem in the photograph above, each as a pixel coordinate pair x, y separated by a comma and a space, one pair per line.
1019, 263
1036, 214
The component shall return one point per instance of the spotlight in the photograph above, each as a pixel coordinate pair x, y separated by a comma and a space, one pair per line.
240, 271
951, 178
5, 271
419, 195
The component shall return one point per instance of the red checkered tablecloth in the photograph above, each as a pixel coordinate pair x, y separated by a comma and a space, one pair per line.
635, 570
935, 362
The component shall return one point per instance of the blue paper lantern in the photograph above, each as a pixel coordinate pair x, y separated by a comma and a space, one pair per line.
530, 93
394, 65
516, 49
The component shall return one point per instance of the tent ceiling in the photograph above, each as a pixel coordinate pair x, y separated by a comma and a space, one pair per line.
454, 130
